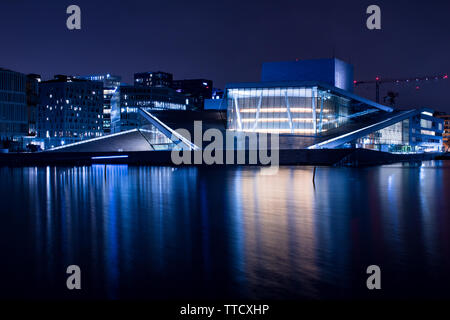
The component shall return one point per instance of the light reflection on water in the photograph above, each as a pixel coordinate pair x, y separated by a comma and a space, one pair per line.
161, 232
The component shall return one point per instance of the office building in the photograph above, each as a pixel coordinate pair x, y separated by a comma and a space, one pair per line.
70, 110
153, 79
32, 89
13, 108
111, 84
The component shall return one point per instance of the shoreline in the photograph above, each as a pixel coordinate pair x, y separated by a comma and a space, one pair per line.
321, 157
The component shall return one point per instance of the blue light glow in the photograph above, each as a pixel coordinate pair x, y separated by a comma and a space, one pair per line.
109, 157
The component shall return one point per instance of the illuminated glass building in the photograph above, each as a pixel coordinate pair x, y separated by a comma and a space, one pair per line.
70, 110
323, 116
418, 132
124, 114
306, 113
111, 84
292, 109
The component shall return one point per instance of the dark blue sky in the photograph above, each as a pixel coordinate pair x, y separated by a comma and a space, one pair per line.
227, 41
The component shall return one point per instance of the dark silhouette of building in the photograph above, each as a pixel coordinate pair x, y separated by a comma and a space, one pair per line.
13, 105
153, 79
32, 88
195, 90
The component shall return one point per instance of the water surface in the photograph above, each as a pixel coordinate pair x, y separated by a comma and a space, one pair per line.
207, 233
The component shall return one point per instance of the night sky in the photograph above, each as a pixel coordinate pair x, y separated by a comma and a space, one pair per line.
226, 41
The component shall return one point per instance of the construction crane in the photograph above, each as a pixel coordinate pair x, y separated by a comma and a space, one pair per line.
378, 81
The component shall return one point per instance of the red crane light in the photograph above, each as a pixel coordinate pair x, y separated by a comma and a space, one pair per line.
378, 82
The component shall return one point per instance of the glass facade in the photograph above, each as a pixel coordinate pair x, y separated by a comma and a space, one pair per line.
156, 138
70, 109
13, 105
394, 138
289, 110
111, 83
426, 132
124, 107
329, 118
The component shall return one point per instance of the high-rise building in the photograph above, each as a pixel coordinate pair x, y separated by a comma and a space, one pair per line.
195, 90
13, 106
111, 85
153, 79
70, 109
